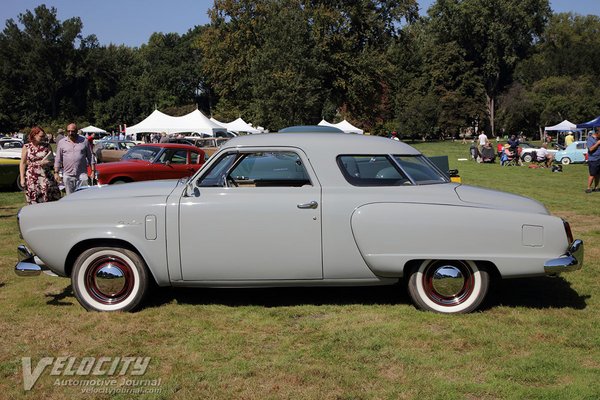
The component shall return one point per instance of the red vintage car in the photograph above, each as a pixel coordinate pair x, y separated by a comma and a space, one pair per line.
146, 162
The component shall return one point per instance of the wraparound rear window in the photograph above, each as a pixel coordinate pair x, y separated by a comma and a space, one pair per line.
388, 170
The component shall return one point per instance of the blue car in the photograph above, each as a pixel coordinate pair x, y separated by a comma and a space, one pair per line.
574, 153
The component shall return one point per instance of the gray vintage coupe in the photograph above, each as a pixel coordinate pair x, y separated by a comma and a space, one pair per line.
303, 209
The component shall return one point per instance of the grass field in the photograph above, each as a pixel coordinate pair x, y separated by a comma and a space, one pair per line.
535, 339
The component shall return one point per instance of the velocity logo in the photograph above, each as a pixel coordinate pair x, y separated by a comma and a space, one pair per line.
86, 366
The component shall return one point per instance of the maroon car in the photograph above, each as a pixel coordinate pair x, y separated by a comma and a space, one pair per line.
146, 162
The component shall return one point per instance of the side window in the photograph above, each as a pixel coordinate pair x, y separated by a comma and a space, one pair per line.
194, 157
179, 157
273, 168
257, 169
174, 156
371, 170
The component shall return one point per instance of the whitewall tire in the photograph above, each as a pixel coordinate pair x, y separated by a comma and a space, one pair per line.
448, 286
109, 279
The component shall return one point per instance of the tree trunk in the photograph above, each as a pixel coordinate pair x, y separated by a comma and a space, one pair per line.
491, 110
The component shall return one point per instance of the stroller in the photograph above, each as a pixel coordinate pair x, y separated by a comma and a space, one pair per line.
509, 157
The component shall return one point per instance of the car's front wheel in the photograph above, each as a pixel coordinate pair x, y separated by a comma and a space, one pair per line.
109, 279
565, 161
448, 286
527, 157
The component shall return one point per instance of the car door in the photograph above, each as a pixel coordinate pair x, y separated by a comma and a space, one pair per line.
253, 215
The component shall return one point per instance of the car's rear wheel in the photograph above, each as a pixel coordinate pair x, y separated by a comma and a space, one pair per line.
109, 279
565, 161
448, 286
527, 157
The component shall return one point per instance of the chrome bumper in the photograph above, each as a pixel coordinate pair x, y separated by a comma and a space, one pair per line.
29, 264
572, 260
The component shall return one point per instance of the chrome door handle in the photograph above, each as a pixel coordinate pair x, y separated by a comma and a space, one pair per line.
312, 204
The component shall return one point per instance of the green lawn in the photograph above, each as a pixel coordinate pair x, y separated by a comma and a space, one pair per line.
535, 339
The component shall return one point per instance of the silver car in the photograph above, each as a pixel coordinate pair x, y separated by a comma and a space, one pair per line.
303, 209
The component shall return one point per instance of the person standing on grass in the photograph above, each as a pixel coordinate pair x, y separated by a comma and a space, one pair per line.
483, 139
73, 155
35, 169
593, 142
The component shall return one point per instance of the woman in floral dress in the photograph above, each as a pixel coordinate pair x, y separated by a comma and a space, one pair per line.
36, 169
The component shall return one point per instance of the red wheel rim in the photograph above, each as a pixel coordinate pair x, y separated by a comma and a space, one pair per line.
448, 283
109, 280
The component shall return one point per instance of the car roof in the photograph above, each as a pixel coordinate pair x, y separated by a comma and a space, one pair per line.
327, 144
311, 128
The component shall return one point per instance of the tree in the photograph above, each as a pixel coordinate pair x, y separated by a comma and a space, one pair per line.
39, 64
494, 35
327, 52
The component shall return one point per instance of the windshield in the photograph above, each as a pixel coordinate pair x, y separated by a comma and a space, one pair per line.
420, 170
145, 153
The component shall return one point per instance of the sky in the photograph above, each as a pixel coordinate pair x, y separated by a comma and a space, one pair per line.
131, 22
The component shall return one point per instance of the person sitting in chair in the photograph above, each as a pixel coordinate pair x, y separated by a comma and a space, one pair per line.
544, 156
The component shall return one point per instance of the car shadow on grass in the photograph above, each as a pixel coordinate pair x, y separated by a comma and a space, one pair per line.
280, 297
55, 299
539, 293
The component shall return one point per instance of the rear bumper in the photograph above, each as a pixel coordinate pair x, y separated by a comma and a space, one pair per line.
572, 260
29, 264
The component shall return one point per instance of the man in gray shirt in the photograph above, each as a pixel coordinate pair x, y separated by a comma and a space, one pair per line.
73, 155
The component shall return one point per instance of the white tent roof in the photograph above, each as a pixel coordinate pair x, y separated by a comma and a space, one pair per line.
344, 126
92, 129
160, 122
222, 124
563, 126
239, 125
348, 127
325, 123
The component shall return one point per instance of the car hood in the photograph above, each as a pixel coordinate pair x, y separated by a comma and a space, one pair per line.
488, 198
158, 188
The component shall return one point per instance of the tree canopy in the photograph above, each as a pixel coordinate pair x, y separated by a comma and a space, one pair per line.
506, 65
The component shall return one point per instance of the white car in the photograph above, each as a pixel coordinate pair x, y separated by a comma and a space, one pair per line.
527, 151
301, 209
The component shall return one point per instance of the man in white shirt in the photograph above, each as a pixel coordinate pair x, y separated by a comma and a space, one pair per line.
483, 139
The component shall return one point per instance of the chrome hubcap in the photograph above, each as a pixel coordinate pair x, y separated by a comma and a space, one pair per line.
110, 279
448, 281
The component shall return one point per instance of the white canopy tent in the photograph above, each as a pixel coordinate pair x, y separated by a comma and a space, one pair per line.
345, 126
239, 125
325, 123
563, 126
92, 129
160, 122
221, 124
348, 127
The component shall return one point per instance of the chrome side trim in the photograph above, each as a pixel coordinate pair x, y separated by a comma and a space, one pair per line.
572, 260
28, 263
